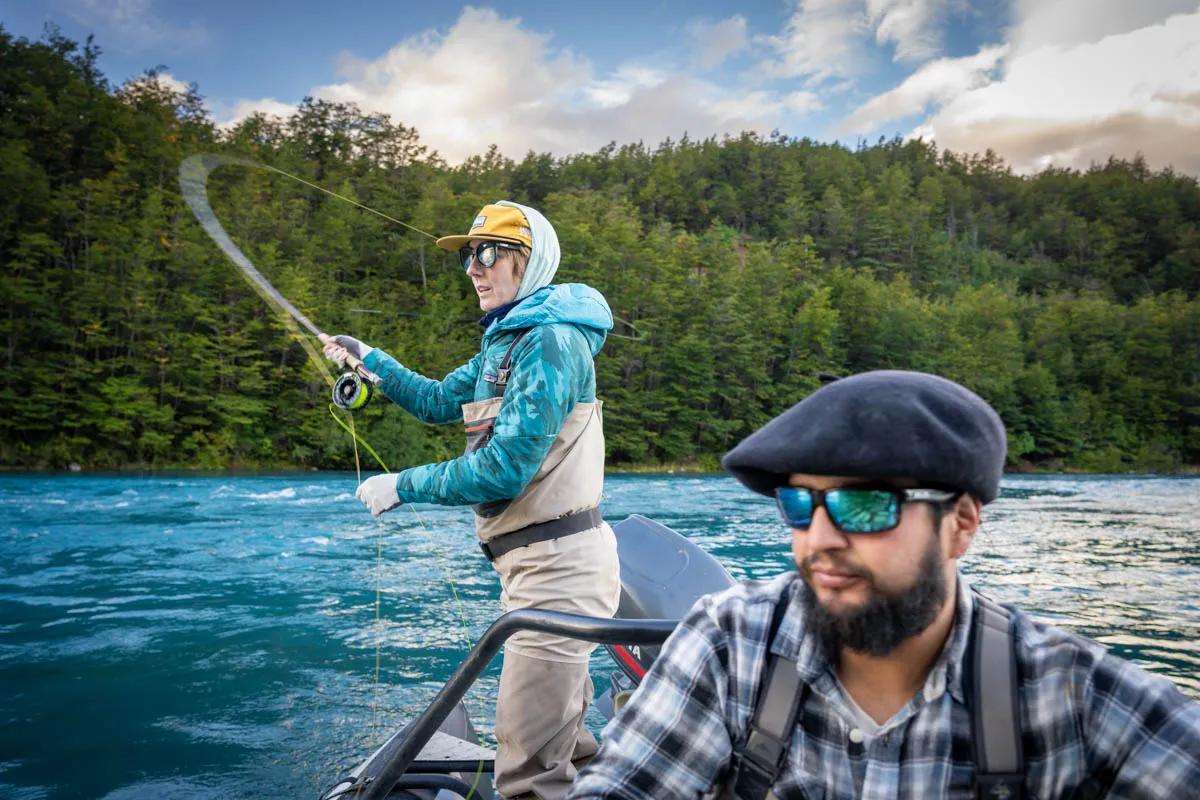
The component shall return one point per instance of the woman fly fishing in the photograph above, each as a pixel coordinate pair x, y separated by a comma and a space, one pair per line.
533, 470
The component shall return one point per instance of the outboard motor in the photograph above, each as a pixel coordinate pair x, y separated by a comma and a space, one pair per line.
662, 575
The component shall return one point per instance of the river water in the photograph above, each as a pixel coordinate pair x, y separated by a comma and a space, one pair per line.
219, 636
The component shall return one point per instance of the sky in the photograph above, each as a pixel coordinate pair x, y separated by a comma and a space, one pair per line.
1062, 83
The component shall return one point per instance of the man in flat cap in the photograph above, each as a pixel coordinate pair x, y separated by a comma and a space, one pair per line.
875, 671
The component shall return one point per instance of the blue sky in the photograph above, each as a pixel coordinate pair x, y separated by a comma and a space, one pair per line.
1062, 82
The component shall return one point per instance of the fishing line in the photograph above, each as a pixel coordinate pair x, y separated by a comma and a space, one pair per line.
453, 590
441, 562
193, 184
638, 335
341, 197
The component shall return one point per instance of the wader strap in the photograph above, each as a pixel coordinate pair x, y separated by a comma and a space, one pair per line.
505, 367
759, 758
479, 434
578, 522
991, 673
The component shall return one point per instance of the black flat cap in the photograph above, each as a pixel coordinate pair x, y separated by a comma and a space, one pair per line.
885, 424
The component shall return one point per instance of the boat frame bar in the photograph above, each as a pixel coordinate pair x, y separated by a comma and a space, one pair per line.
381, 774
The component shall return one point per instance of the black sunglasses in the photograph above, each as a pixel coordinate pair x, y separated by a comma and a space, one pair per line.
484, 253
853, 509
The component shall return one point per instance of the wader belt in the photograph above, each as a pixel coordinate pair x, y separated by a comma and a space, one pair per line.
578, 522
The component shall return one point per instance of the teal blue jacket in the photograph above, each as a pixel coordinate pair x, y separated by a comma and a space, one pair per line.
552, 370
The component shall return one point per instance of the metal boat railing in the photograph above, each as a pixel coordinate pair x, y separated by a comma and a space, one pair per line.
384, 770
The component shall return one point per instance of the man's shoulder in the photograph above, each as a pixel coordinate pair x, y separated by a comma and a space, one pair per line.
1067, 661
1058, 660
1046, 647
1139, 729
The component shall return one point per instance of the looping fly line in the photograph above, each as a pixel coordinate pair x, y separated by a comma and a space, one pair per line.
193, 183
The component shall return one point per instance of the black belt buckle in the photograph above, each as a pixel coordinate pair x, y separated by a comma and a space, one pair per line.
487, 551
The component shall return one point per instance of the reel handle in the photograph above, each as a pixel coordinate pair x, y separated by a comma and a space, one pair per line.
359, 368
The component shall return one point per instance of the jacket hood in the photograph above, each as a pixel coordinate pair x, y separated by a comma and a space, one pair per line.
573, 303
543, 254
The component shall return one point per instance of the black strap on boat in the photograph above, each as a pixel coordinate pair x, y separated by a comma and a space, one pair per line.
504, 369
578, 522
759, 757
991, 690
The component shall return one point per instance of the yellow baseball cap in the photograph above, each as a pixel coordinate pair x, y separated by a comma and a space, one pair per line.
497, 223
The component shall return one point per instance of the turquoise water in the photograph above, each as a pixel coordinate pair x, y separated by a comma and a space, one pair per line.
204, 637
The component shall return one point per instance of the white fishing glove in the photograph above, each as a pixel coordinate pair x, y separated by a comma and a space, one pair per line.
378, 493
338, 347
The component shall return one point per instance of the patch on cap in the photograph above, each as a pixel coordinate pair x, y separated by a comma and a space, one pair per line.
496, 222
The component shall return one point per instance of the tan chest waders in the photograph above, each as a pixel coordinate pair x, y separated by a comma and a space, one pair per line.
563, 496
552, 551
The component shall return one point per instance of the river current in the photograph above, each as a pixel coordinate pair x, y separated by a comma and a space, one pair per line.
236, 636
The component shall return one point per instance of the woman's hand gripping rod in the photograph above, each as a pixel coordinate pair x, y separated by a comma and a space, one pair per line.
353, 388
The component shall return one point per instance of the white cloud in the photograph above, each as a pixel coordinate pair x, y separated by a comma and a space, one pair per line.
713, 43
803, 102
937, 81
909, 25
490, 80
821, 40
1077, 103
244, 108
828, 39
486, 80
170, 82
1041, 23
617, 90
134, 25
748, 106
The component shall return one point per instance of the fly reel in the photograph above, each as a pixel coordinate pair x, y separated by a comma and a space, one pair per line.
351, 392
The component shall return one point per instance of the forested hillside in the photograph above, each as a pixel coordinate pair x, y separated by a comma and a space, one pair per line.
739, 270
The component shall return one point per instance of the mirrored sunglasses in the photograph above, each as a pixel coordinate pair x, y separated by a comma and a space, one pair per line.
852, 509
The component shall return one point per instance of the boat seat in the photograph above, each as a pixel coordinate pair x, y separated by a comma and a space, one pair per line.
446, 753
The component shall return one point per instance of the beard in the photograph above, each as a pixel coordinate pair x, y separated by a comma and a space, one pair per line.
887, 619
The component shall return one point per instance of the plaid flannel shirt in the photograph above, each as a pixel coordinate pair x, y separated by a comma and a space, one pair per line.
1093, 724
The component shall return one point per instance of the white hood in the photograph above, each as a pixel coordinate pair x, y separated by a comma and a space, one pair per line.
543, 260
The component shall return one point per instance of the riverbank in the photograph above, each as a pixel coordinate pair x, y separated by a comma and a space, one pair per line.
702, 466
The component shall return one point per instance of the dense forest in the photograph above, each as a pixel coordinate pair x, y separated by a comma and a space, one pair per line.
739, 269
